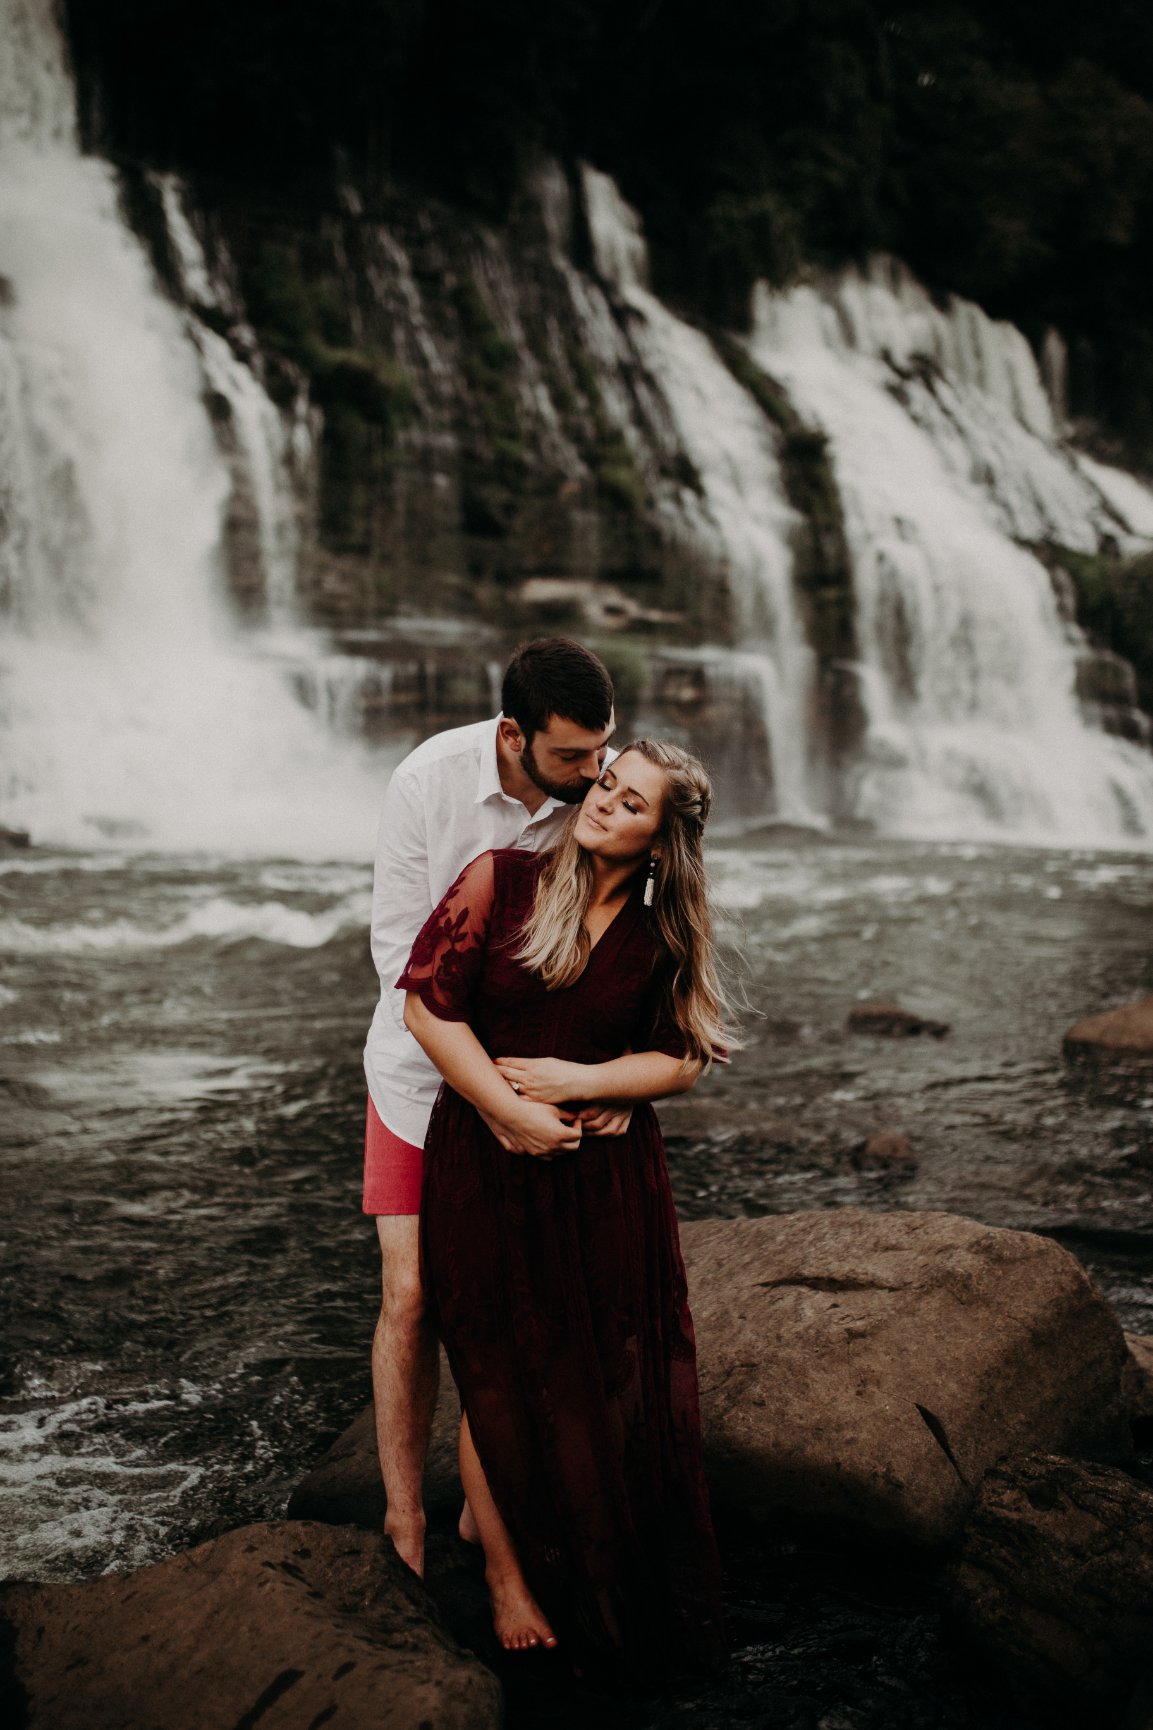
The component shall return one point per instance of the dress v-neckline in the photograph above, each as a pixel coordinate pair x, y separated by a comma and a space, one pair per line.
594, 946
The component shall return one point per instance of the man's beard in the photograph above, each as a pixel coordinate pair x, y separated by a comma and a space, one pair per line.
571, 792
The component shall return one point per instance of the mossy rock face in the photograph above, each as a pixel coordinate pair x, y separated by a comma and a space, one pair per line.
1114, 606
302, 317
822, 570
464, 443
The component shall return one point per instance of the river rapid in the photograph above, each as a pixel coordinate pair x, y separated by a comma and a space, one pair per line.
189, 1288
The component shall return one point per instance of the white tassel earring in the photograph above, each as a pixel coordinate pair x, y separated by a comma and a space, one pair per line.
650, 881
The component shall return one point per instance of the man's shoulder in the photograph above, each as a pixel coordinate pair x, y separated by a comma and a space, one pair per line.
445, 751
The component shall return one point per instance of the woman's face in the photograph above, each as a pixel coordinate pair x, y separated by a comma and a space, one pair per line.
621, 813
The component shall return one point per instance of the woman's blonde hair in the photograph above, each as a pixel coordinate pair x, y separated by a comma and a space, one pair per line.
556, 944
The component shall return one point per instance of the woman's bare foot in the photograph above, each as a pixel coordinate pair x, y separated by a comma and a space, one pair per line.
468, 1528
408, 1542
519, 1621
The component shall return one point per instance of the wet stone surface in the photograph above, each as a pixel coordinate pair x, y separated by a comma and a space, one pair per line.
821, 1639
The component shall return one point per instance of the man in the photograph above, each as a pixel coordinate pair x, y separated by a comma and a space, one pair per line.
508, 782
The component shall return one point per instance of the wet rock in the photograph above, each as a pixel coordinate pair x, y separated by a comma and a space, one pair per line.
864, 1370
886, 1153
890, 1021
345, 1488
602, 606
12, 839
858, 1370
290, 1624
1119, 1035
1053, 1583
1138, 1388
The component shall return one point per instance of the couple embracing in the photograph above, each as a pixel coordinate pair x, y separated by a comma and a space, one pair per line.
541, 931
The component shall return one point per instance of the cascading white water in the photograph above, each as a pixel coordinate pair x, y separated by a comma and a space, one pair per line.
128, 704
731, 447
947, 458
265, 450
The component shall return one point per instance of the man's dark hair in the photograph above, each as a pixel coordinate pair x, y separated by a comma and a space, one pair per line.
555, 676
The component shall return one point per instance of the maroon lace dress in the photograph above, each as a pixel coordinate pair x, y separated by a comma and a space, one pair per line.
559, 1290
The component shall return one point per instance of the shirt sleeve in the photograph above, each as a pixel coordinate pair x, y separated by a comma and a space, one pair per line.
447, 956
401, 897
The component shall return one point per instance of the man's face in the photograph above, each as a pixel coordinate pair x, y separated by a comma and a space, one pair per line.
564, 759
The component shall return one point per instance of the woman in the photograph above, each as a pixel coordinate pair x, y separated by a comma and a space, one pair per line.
552, 1263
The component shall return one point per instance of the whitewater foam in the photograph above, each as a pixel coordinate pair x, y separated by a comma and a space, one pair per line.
946, 457
132, 710
218, 920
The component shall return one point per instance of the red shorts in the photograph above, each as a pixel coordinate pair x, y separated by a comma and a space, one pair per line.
393, 1169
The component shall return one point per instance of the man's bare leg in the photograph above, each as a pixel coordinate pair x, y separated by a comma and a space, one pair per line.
519, 1621
405, 1373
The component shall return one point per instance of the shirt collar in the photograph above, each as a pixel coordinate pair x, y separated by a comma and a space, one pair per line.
488, 777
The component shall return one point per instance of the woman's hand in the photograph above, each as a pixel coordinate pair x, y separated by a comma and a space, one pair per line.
548, 1080
606, 1119
530, 1127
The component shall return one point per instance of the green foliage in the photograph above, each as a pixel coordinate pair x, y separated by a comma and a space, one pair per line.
365, 395
618, 479
1115, 608
489, 365
628, 664
306, 321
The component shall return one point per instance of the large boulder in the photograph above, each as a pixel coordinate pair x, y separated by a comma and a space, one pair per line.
1138, 1387
1121, 1035
1053, 1583
288, 1624
345, 1486
857, 1369
865, 1370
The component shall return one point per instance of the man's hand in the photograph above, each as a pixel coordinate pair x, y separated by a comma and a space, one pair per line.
539, 1130
548, 1080
605, 1119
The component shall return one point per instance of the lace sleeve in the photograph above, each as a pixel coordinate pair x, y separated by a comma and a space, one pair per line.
446, 957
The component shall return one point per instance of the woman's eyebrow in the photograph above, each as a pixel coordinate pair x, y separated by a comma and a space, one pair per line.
637, 795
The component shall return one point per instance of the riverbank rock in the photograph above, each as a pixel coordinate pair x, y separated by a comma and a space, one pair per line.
864, 1370
1119, 1036
288, 1625
890, 1021
886, 1153
345, 1487
1138, 1388
858, 1370
1054, 1584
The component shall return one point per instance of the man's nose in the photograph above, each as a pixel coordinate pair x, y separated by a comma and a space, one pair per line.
590, 766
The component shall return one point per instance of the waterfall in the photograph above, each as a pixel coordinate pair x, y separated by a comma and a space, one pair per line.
268, 451
747, 517
949, 461
130, 705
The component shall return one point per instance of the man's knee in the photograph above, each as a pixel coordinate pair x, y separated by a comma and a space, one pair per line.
403, 1299
404, 1304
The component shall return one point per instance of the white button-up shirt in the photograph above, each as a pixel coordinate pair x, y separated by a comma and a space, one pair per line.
443, 806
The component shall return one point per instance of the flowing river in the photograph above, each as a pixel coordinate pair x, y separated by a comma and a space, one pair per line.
189, 1287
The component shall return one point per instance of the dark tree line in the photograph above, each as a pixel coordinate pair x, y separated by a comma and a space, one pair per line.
1004, 148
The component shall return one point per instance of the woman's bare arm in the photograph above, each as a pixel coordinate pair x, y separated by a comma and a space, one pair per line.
522, 1124
635, 1076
